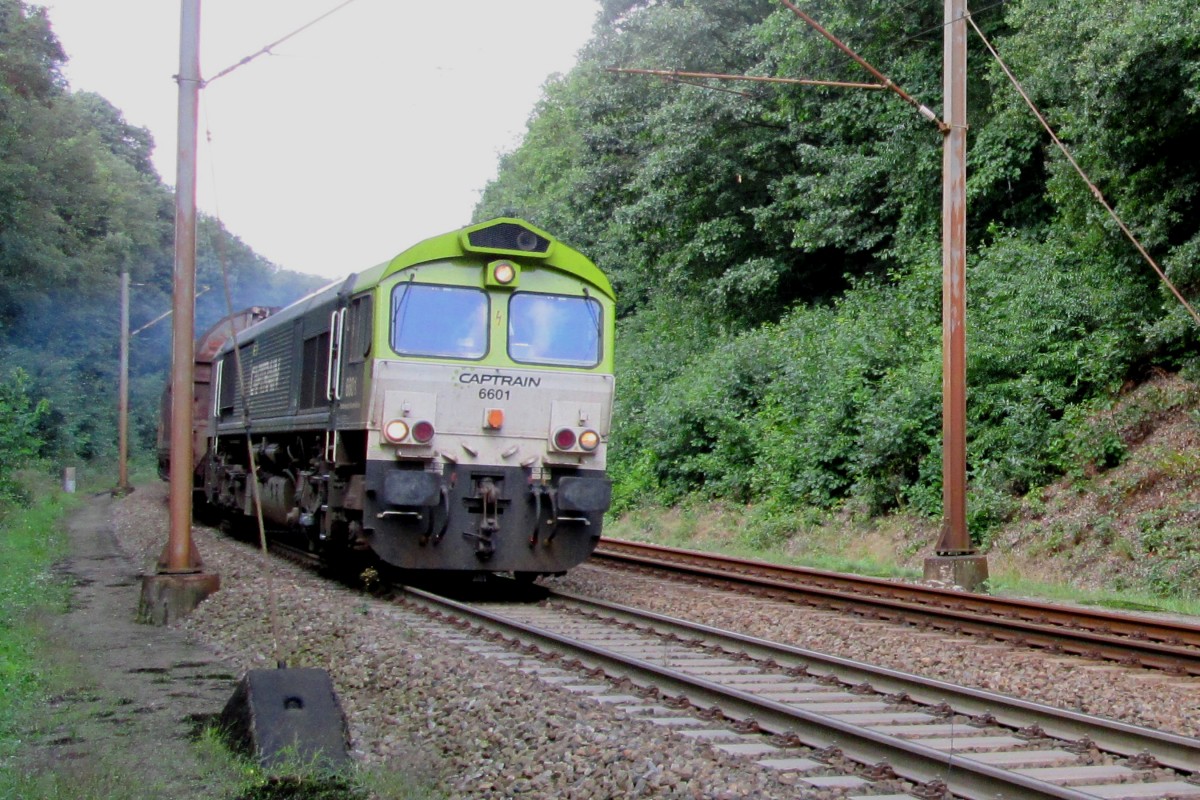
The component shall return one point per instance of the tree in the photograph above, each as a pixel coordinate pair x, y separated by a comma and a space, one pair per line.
776, 249
80, 202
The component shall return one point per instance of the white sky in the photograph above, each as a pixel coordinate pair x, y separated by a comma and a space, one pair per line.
370, 131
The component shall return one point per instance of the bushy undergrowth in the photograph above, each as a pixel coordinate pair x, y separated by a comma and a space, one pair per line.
20, 438
841, 404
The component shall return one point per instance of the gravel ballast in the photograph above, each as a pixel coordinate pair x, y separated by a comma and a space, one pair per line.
481, 729
414, 703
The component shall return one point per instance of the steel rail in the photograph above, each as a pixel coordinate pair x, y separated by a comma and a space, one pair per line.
297, 555
1162, 644
909, 759
1172, 750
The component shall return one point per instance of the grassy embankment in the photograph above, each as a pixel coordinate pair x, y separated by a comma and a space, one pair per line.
891, 547
34, 671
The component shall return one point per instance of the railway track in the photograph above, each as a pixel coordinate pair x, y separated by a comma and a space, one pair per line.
825, 722
1129, 639
297, 555
833, 723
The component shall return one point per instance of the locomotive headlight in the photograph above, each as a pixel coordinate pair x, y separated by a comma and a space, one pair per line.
503, 274
589, 440
396, 431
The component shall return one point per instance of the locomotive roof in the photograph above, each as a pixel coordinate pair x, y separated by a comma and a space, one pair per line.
455, 244
491, 237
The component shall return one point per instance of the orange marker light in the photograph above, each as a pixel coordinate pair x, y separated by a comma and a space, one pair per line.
589, 440
494, 419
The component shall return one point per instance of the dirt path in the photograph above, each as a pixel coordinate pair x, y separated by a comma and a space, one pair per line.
128, 697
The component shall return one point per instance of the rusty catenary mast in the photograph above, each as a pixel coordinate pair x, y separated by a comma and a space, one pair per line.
180, 583
955, 559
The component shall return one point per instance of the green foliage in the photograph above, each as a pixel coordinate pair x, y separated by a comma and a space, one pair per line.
1122, 82
1090, 442
658, 347
1171, 554
776, 248
21, 420
699, 432
1097, 435
1050, 330
29, 54
854, 410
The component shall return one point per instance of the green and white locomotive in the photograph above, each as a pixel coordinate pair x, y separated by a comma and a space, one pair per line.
448, 410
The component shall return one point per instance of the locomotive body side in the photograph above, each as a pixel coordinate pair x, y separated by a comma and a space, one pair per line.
207, 346
448, 410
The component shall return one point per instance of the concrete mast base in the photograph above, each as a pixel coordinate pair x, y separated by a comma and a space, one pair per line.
167, 597
968, 571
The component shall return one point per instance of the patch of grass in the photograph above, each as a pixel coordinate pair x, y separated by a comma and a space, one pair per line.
869, 567
296, 779
40, 703
106, 778
398, 786
1014, 585
30, 543
316, 786
1118, 604
804, 538
686, 525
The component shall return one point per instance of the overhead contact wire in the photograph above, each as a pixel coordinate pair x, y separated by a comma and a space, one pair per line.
919, 34
1095, 190
268, 48
679, 75
237, 354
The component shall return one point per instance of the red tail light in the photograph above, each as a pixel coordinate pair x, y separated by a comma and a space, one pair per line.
564, 438
422, 432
